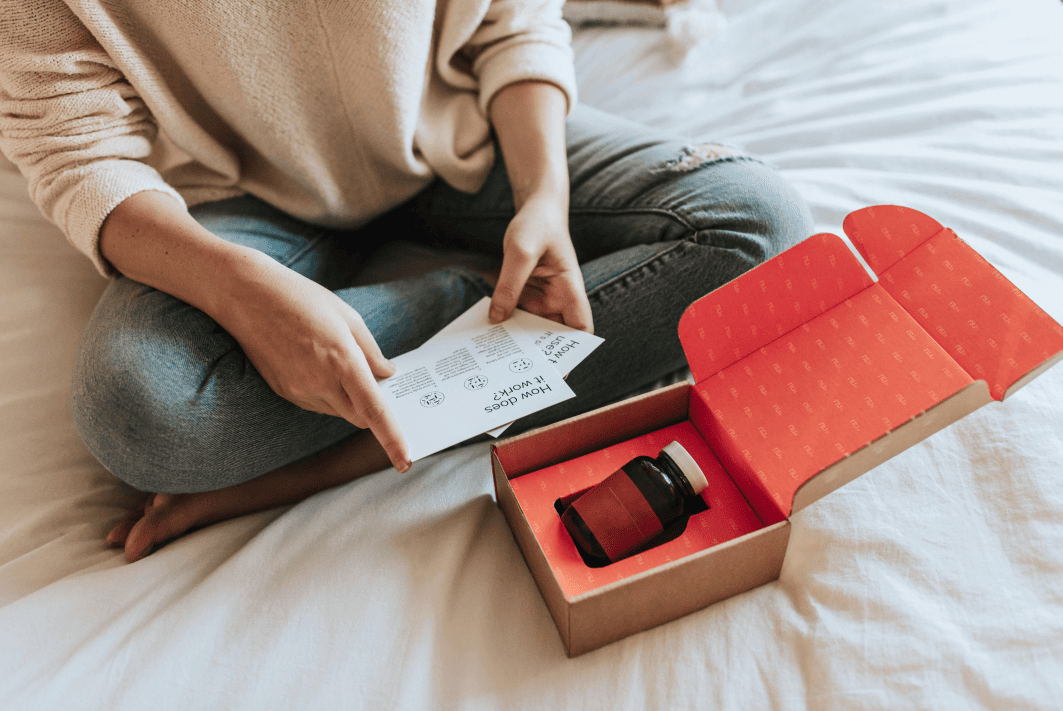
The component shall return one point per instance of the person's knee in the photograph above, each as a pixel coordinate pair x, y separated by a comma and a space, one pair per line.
780, 214
754, 211
169, 403
130, 422
141, 400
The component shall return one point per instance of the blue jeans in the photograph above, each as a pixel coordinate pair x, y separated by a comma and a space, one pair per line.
168, 402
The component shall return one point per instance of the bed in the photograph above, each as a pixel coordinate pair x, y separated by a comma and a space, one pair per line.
933, 581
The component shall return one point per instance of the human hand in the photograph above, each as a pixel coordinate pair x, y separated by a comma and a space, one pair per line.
313, 350
540, 272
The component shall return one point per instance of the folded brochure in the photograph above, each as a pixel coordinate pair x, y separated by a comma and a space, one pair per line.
475, 376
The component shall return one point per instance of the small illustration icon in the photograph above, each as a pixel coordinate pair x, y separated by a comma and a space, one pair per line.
475, 382
520, 365
431, 399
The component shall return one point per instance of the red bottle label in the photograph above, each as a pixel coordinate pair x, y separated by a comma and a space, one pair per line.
618, 515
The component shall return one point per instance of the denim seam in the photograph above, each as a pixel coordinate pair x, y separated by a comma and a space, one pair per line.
308, 247
669, 167
659, 257
661, 212
585, 211
596, 292
476, 279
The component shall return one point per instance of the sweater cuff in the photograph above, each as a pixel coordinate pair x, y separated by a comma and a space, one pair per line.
528, 61
109, 183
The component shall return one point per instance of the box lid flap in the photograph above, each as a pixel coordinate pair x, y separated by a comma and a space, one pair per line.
808, 372
866, 458
768, 301
884, 234
819, 395
987, 325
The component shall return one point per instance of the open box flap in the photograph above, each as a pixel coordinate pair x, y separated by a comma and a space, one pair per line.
820, 394
884, 234
769, 301
992, 330
910, 433
796, 379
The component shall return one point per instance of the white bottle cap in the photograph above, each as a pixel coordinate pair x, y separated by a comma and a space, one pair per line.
689, 467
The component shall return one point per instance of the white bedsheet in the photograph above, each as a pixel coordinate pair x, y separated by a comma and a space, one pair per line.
934, 581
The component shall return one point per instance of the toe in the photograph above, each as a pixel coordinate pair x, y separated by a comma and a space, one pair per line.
118, 535
140, 541
166, 516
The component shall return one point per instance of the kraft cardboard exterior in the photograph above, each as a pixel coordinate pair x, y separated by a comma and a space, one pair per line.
808, 373
592, 607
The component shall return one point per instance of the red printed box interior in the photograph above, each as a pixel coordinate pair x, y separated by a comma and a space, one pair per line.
808, 374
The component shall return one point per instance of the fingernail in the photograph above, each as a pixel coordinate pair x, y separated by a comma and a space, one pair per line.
145, 552
497, 314
401, 464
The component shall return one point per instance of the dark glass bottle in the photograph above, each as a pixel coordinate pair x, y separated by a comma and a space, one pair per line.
634, 503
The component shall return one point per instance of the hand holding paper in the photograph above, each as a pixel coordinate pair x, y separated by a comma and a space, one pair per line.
474, 376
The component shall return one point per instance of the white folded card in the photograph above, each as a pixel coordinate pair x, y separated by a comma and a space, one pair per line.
476, 376
565, 347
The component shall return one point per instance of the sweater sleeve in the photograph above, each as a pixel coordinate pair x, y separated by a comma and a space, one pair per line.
520, 40
70, 121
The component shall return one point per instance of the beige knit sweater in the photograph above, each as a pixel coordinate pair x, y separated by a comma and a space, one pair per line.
331, 110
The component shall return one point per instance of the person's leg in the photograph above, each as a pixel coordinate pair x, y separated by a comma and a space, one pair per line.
655, 234
657, 222
168, 402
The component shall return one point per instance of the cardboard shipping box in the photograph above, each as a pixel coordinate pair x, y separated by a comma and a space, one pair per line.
808, 373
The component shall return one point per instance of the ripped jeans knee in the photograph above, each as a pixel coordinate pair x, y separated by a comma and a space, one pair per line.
695, 156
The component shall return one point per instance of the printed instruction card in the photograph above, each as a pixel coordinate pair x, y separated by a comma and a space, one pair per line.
474, 376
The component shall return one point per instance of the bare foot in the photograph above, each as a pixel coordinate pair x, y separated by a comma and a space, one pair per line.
162, 518
167, 516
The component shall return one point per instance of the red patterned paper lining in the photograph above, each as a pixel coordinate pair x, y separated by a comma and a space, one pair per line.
728, 517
